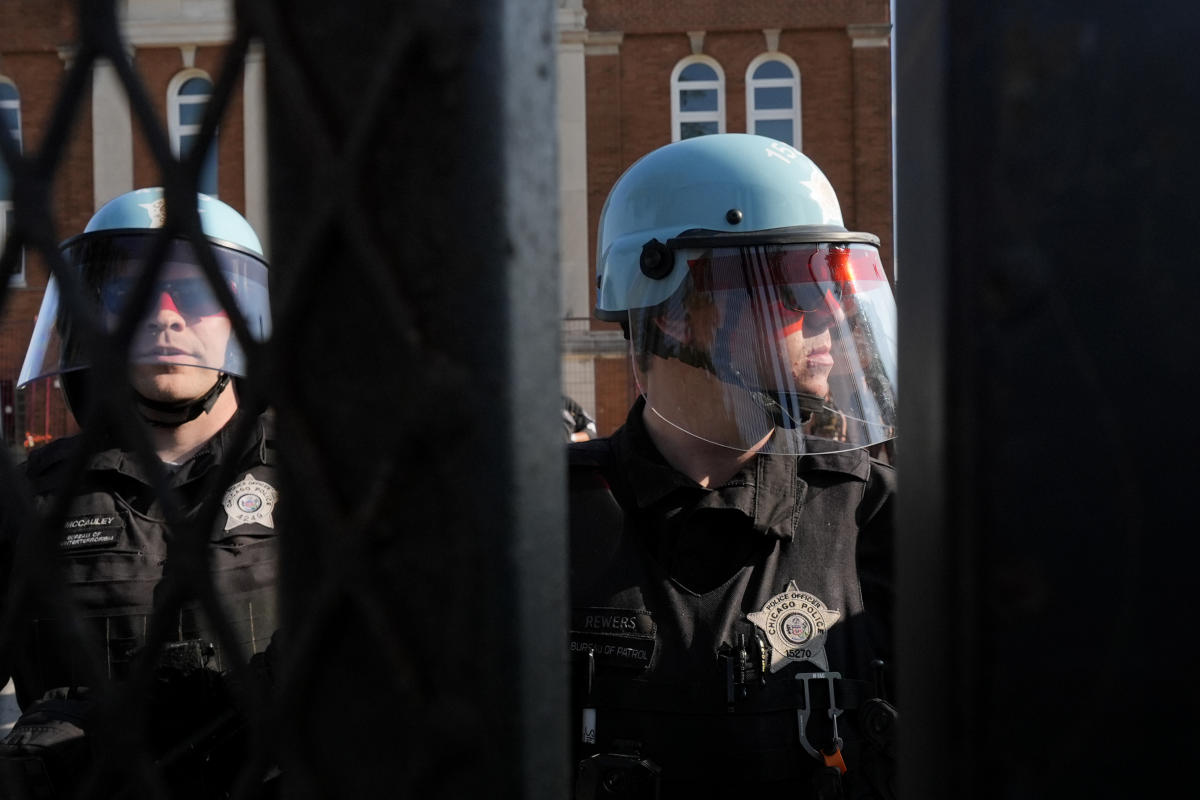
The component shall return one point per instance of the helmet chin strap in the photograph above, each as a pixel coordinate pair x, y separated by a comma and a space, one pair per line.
172, 415
788, 409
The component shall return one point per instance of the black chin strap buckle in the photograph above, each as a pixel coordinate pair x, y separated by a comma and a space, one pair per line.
790, 410
214, 394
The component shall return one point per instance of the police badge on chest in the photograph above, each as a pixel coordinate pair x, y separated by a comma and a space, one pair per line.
795, 624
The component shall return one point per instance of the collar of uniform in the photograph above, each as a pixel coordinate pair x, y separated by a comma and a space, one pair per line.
650, 476
856, 463
778, 495
127, 462
769, 490
765, 489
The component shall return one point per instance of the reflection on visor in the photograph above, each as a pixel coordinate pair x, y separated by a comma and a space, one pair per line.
802, 276
193, 297
780, 347
111, 265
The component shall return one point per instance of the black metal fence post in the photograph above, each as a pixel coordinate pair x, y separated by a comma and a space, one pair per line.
1046, 178
412, 170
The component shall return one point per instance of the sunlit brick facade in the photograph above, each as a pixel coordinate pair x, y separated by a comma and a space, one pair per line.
616, 62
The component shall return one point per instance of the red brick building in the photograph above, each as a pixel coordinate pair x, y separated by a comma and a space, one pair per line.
632, 75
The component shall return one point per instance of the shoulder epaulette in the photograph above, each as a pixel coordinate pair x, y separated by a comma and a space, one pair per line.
848, 462
593, 454
43, 460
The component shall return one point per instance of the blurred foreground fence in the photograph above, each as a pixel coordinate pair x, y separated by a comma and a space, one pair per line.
414, 372
1046, 174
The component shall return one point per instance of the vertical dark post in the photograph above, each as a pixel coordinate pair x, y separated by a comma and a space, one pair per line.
414, 212
933, 677
1046, 179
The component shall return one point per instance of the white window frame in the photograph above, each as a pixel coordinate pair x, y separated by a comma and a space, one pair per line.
17, 278
177, 129
679, 117
754, 114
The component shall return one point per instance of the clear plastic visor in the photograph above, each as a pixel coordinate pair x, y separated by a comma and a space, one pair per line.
179, 319
789, 348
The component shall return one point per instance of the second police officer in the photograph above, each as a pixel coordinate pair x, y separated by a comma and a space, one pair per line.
175, 535
731, 544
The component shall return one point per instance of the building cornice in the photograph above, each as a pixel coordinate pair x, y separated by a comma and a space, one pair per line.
603, 43
571, 21
68, 52
872, 35
178, 32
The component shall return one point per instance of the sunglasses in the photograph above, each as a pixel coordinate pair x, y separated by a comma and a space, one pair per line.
809, 296
193, 297
802, 278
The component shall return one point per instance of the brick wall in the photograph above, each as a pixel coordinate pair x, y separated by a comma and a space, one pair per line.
640, 16
615, 393
30, 34
872, 168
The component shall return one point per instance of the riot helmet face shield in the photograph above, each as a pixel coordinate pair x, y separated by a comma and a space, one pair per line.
178, 318
788, 347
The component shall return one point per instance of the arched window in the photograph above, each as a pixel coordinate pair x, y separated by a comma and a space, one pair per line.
10, 125
187, 97
697, 98
773, 98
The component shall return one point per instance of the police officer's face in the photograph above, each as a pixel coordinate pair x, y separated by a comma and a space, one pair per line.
808, 343
793, 349
185, 327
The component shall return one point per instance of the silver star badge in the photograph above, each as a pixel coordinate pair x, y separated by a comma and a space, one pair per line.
795, 624
250, 501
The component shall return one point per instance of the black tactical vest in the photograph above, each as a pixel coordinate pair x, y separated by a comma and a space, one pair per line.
114, 546
728, 688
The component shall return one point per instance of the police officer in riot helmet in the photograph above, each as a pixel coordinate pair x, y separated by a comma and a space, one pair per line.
731, 543
124, 565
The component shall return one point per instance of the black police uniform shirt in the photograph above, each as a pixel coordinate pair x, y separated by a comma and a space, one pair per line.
114, 545
694, 609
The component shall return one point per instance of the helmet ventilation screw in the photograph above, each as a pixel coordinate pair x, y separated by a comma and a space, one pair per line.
733, 216
656, 260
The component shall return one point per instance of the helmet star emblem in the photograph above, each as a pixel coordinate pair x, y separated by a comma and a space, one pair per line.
823, 195
157, 211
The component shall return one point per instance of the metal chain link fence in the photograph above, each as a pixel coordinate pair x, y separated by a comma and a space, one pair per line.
413, 373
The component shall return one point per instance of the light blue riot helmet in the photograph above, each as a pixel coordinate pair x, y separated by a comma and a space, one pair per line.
726, 255
112, 256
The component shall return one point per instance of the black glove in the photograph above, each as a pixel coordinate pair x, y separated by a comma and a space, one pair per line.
47, 751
